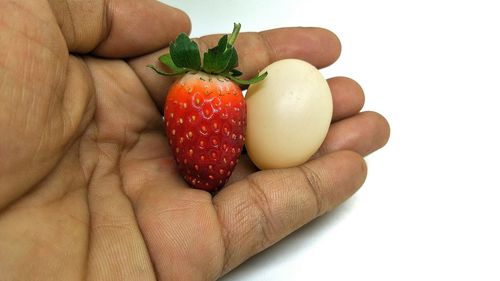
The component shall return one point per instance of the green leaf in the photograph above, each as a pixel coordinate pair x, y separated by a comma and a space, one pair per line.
254, 80
217, 59
222, 59
166, 60
233, 61
185, 53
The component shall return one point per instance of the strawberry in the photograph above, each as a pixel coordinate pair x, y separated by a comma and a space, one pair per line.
205, 111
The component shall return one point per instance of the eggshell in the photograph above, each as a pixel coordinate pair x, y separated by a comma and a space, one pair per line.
288, 114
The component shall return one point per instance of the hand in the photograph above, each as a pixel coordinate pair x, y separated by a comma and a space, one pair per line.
88, 188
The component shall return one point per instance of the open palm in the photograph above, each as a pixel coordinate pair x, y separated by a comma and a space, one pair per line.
88, 188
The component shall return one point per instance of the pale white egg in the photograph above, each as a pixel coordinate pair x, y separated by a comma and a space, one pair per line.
288, 114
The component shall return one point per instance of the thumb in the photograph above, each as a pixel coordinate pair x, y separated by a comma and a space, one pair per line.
118, 28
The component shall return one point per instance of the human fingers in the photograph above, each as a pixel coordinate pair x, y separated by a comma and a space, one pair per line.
363, 133
318, 46
348, 99
118, 28
347, 96
266, 206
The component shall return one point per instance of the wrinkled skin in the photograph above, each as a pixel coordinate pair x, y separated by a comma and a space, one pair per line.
88, 188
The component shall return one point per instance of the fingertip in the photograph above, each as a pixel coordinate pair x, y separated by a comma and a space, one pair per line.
363, 133
323, 42
347, 95
319, 46
382, 125
182, 18
333, 46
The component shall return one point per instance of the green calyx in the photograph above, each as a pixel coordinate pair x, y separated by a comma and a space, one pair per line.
184, 56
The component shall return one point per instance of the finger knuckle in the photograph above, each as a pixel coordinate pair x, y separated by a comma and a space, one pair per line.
268, 223
314, 184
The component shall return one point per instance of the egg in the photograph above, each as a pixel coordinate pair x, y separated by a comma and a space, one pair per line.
288, 114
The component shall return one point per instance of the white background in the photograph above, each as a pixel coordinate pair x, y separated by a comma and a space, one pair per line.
430, 208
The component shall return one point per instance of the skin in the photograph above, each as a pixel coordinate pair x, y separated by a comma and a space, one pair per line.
88, 188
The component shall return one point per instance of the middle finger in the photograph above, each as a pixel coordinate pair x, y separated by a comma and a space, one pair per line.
318, 46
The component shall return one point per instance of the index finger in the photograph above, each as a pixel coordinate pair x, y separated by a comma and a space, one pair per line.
256, 50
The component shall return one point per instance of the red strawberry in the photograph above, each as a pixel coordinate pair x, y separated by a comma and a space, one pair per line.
205, 118
205, 112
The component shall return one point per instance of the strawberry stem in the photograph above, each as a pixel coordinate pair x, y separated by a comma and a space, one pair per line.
234, 34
